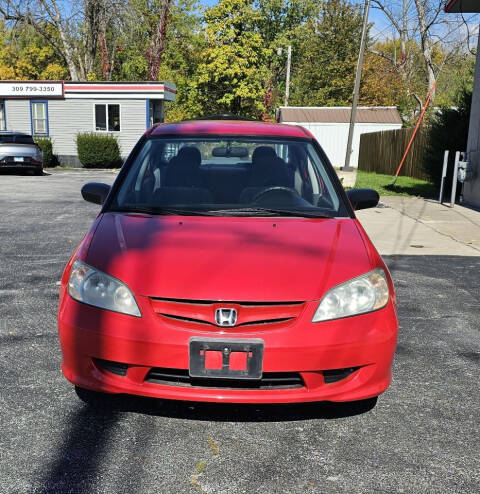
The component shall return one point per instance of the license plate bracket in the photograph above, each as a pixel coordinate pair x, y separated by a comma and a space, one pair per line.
253, 349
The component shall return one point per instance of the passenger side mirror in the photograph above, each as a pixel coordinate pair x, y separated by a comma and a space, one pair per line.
363, 198
95, 192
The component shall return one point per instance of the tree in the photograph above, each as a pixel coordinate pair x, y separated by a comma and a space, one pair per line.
233, 70
424, 31
72, 30
150, 18
24, 54
324, 62
280, 23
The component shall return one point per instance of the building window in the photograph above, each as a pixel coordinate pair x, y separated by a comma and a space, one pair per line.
107, 118
3, 120
39, 114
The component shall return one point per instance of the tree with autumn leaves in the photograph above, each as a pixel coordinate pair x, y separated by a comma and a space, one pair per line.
226, 58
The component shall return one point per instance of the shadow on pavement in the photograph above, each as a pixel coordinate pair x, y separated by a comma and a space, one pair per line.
226, 412
79, 458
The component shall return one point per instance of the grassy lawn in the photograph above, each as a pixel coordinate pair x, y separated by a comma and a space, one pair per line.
404, 186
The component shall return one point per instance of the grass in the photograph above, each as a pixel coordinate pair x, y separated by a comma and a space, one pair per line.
404, 186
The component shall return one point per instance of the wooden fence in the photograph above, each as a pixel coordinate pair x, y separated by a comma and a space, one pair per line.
381, 152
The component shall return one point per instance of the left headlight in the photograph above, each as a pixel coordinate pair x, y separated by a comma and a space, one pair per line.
94, 287
365, 293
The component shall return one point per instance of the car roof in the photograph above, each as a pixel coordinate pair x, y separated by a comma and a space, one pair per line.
13, 133
229, 127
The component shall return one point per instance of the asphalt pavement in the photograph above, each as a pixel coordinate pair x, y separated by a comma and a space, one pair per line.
421, 437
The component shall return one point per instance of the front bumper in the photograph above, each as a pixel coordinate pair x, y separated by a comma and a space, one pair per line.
365, 342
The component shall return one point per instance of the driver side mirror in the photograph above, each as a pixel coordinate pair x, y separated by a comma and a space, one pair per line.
95, 192
363, 198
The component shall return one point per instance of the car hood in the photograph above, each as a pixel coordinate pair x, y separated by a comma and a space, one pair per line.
229, 258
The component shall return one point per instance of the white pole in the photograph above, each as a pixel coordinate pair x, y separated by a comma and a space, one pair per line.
454, 179
289, 62
444, 174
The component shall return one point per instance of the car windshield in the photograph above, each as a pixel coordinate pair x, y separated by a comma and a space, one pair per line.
15, 139
228, 176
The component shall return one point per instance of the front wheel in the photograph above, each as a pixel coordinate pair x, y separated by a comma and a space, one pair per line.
39, 173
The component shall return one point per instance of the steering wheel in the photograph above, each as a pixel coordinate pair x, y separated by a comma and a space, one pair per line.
276, 193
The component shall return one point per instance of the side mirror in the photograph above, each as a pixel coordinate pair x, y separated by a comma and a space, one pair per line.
363, 198
95, 192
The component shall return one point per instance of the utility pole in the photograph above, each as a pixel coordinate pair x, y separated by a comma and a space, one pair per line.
289, 62
356, 90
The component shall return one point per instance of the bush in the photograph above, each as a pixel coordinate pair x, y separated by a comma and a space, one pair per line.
448, 131
49, 159
98, 150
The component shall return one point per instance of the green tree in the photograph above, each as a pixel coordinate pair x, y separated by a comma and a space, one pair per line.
233, 70
24, 54
324, 66
280, 24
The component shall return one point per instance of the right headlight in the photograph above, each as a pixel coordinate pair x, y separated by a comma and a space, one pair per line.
94, 287
365, 293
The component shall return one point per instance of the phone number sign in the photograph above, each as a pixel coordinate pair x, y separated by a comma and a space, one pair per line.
15, 89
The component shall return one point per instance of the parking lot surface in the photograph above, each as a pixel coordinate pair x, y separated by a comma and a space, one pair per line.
422, 436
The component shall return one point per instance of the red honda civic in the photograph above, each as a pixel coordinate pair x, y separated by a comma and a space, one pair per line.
227, 265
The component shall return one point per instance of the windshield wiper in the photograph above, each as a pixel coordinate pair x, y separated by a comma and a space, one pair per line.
245, 211
157, 211
260, 211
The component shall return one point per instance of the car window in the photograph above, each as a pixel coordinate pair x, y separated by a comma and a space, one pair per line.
16, 139
228, 174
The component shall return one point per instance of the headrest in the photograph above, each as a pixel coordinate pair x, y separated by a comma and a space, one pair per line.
190, 153
263, 153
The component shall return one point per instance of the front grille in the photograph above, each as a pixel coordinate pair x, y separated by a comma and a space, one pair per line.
110, 366
196, 312
251, 323
335, 375
180, 377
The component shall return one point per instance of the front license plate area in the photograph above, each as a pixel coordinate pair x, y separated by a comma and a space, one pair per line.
226, 359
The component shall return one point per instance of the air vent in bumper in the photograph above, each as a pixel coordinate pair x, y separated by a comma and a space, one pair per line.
269, 380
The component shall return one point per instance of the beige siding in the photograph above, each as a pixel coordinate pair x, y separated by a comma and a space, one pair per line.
18, 115
68, 117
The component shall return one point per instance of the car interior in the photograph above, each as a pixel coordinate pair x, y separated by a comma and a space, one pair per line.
246, 173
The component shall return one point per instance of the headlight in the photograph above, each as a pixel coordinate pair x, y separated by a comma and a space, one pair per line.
93, 287
365, 293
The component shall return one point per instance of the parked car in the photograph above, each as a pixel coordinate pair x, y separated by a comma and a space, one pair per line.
227, 265
18, 151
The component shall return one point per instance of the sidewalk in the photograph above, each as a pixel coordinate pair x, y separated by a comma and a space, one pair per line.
416, 226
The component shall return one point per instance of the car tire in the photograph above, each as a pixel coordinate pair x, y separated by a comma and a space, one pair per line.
39, 173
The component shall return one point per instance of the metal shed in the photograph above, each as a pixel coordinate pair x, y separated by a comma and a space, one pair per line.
329, 125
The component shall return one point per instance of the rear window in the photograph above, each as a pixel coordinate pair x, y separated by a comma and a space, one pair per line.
16, 139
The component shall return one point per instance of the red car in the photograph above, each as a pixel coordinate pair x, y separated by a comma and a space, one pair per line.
227, 265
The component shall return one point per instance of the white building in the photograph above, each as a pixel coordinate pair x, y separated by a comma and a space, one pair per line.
471, 188
61, 109
329, 126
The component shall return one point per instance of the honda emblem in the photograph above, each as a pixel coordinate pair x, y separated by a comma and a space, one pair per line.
226, 317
